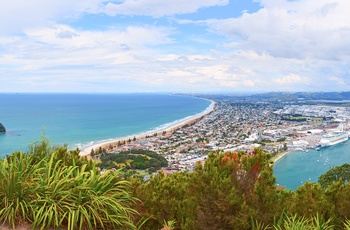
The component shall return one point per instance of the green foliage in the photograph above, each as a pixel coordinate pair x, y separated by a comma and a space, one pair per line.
301, 223
16, 176
318, 223
169, 225
309, 199
294, 223
238, 191
168, 197
225, 193
51, 188
347, 224
255, 225
133, 159
337, 198
335, 173
44, 149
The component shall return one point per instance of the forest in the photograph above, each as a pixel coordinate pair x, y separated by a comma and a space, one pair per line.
52, 187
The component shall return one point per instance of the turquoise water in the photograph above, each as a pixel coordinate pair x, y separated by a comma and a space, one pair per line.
297, 167
82, 119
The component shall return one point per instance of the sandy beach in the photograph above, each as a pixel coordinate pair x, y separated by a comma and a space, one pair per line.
186, 121
280, 156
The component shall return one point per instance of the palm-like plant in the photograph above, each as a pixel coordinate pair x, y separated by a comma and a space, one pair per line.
16, 176
293, 223
256, 225
302, 223
50, 193
347, 224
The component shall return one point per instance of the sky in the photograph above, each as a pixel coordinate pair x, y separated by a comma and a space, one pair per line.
183, 46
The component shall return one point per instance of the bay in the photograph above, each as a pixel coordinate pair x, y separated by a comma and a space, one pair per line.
297, 167
80, 120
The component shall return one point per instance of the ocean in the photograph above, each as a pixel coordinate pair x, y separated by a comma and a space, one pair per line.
297, 167
80, 120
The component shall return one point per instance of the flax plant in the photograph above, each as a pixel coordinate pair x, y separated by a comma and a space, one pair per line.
49, 193
79, 199
302, 223
293, 223
346, 224
16, 176
256, 225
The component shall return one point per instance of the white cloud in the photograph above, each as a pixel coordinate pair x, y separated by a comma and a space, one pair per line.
16, 15
292, 29
286, 45
159, 8
67, 37
63, 58
338, 80
290, 79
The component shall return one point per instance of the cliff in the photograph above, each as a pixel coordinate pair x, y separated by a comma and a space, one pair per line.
2, 128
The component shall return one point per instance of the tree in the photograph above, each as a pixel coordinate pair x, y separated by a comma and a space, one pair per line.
309, 199
169, 198
334, 174
285, 147
92, 153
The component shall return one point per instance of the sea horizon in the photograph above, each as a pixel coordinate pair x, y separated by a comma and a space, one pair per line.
83, 119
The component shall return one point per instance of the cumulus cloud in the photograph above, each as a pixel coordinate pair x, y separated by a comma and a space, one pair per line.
158, 8
285, 45
292, 29
67, 37
79, 58
16, 15
338, 80
289, 80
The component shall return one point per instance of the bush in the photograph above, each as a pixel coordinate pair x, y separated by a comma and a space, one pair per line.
51, 193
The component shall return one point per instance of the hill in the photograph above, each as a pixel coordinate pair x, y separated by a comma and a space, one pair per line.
133, 159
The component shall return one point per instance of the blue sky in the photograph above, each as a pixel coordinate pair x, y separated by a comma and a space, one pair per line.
197, 46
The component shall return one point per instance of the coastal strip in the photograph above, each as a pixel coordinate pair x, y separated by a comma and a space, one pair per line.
280, 156
166, 128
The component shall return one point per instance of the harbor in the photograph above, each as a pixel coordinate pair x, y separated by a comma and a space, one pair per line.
297, 167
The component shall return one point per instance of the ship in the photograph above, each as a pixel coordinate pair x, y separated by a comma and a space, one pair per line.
334, 137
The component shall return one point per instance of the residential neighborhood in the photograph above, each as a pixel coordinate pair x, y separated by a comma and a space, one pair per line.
237, 124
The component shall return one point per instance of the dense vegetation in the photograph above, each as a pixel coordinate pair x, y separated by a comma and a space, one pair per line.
133, 159
238, 191
51, 187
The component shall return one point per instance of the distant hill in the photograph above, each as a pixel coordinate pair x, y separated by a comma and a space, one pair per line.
333, 96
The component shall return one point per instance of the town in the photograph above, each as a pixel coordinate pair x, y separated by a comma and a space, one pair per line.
237, 124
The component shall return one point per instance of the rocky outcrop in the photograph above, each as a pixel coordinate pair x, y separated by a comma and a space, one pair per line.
2, 129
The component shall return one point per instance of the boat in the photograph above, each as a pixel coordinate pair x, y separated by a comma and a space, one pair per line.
334, 137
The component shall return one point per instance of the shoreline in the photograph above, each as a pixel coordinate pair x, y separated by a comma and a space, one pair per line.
280, 156
169, 127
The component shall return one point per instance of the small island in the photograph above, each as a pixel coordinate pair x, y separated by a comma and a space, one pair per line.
2, 128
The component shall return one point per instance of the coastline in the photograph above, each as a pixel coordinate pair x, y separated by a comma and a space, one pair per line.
280, 156
85, 151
